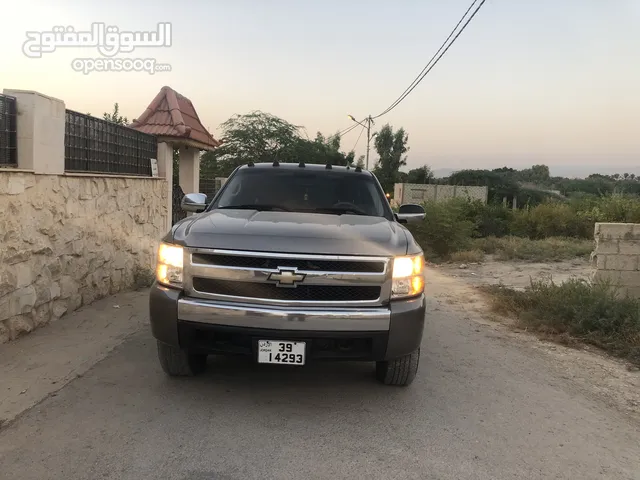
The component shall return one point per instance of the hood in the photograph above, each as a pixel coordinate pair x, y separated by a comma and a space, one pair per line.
291, 232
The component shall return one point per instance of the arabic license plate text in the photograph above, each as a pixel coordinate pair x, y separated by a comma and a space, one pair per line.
281, 352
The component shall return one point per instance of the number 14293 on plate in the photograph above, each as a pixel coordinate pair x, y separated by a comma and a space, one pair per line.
281, 352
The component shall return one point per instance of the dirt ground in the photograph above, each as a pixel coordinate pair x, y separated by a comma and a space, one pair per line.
593, 371
516, 274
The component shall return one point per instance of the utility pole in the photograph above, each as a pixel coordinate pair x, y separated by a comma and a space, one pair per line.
369, 121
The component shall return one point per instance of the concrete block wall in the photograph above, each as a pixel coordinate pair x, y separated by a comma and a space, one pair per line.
419, 193
616, 257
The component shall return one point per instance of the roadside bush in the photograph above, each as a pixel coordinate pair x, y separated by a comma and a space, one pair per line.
451, 226
444, 230
587, 312
488, 219
550, 219
612, 208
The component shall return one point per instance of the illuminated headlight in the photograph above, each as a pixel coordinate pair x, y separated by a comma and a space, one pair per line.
408, 276
169, 268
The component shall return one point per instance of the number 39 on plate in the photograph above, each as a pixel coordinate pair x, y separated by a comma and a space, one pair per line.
281, 352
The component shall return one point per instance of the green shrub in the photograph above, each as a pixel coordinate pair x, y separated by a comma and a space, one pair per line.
488, 219
591, 313
612, 208
449, 226
550, 219
444, 230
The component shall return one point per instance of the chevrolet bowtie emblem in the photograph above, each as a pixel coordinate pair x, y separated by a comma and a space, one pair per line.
286, 278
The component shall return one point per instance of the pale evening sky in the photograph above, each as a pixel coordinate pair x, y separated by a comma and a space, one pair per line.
529, 81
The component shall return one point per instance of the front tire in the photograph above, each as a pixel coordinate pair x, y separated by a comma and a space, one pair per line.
176, 362
399, 371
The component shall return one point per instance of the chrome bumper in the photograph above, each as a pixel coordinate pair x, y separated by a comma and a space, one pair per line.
281, 318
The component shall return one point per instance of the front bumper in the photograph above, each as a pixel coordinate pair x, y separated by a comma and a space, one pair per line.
351, 333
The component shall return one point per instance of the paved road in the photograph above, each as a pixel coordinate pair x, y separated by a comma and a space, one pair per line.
482, 407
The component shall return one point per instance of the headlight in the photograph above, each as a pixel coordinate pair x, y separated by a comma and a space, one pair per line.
408, 276
169, 268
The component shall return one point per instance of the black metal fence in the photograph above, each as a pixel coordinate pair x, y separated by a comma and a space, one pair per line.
8, 131
95, 145
208, 187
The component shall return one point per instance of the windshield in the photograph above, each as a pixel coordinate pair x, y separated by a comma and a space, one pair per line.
300, 190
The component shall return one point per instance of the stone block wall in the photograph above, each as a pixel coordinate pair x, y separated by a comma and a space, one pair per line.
67, 240
616, 257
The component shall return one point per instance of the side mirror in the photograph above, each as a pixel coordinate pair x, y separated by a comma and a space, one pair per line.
411, 212
194, 202
399, 219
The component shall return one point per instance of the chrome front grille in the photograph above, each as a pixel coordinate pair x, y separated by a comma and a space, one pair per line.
313, 264
287, 279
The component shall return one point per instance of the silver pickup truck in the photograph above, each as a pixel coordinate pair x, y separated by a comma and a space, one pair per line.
290, 263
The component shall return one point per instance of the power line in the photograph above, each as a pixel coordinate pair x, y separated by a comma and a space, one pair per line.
346, 130
417, 79
354, 147
435, 60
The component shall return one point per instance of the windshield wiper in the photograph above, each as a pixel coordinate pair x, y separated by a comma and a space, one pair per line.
340, 211
261, 207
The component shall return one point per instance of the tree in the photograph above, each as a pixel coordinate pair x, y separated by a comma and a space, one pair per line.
323, 150
500, 184
539, 174
360, 162
262, 137
391, 147
115, 117
256, 137
209, 164
423, 174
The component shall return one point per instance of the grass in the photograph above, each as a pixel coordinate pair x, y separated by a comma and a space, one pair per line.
467, 256
576, 310
545, 250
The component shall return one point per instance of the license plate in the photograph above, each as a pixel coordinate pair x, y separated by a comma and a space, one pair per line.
281, 352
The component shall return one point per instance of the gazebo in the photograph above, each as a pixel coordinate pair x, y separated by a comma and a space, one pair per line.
173, 119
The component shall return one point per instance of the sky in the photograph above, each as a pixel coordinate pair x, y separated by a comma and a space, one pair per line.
528, 81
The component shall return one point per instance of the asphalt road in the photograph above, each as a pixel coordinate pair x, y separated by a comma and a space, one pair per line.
482, 407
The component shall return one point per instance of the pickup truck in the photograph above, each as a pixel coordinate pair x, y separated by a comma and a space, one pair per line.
290, 263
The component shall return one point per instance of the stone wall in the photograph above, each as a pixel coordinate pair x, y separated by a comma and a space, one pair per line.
616, 257
419, 193
67, 240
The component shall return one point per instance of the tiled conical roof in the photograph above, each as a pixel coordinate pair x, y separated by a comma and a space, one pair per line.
172, 115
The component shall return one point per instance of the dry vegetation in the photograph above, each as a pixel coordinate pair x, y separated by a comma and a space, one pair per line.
572, 311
